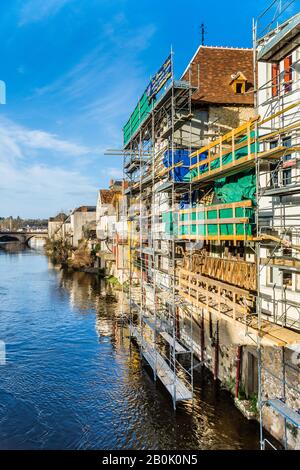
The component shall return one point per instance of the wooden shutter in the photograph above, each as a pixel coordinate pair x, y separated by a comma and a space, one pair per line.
288, 74
275, 79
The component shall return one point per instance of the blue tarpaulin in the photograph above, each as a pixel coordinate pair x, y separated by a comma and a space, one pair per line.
179, 156
186, 202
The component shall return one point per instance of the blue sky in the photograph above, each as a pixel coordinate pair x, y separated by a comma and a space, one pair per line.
74, 70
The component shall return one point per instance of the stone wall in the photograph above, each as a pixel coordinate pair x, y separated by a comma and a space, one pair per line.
231, 336
273, 375
230, 116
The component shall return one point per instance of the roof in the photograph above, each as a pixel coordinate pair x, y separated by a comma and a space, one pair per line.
106, 195
59, 217
212, 69
85, 209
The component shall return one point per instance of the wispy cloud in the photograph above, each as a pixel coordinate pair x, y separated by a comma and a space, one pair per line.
112, 172
16, 141
91, 97
42, 187
43, 190
37, 10
112, 63
106, 83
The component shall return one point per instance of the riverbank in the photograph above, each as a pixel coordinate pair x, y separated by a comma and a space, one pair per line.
83, 258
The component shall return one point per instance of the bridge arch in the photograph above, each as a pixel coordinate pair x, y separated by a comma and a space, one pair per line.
9, 238
22, 237
36, 236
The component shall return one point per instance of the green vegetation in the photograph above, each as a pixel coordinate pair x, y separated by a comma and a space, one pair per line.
230, 385
58, 251
113, 281
293, 430
253, 403
16, 223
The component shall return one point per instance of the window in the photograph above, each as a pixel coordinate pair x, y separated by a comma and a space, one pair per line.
297, 282
287, 177
288, 74
274, 167
239, 88
287, 173
275, 79
271, 276
273, 144
287, 279
239, 83
251, 378
287, 141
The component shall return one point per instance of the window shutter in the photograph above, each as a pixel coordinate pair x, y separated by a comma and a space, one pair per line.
288, 73
275, 79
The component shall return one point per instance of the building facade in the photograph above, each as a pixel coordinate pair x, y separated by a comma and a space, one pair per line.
200, 228
82, 220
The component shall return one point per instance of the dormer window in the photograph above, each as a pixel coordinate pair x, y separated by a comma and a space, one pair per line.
239, 88
238, 83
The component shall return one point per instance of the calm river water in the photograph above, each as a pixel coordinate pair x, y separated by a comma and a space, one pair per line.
72, 381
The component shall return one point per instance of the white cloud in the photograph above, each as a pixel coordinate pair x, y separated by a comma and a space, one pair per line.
42, 190
16, 140
37, 10
102, 87
109, 74
105, 84
113, 172
38, 189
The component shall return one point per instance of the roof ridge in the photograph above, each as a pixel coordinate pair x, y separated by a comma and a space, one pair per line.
228, 47
213, 47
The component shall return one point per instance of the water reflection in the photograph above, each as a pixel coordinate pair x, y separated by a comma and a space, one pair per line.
75, 381
13, 247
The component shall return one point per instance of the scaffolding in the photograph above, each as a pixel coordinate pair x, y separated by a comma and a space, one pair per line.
155, 325
192, 259
277, 214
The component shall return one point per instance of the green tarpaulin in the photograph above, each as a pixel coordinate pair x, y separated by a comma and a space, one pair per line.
242, 152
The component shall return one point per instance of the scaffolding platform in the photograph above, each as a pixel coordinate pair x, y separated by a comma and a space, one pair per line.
285, 41
290, 415
178, 347
282, 191
161, 327
176, 388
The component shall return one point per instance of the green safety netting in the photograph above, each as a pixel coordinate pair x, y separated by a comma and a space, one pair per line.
212, 229
171, 223
140, 113
242, 152
236, 188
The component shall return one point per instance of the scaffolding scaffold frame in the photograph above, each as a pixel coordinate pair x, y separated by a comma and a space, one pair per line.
154, 320
275, 246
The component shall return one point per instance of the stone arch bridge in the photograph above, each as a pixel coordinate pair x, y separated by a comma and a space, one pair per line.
22, 237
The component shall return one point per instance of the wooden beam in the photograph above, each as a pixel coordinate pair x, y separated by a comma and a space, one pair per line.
248, 161
283, 130
227, 137
230, 205
224, 153
279, 113
213, 282
216, 238
215, 296
270, 333
233, 221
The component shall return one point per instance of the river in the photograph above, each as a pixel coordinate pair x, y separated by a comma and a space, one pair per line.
73, 381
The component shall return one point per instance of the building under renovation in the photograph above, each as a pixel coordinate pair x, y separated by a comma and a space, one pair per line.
211, 213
